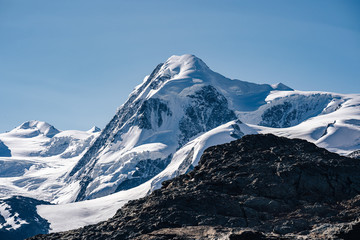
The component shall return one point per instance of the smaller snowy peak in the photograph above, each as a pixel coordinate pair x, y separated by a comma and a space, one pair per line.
281, 86
94, 129
38, 127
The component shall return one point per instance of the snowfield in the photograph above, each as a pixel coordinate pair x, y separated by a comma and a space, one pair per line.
40, 156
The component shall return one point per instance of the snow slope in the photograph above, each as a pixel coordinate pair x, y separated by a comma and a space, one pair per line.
40, 156
86, 212
335, 126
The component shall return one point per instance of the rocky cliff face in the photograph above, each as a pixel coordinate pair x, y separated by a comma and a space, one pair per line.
293, 110
257, 187
207, 110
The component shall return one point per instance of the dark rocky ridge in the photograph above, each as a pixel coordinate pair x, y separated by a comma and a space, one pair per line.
257, 187
21, 211
4, 150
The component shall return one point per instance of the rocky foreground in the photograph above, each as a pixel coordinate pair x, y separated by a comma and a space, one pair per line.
258, 187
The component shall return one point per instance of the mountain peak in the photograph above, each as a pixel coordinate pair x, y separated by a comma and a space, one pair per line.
180, 66
94, 129
281, 86
186, 61
39, 126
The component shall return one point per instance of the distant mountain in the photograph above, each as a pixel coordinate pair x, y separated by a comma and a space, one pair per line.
258, 187
94, 129
35, 128
35, 155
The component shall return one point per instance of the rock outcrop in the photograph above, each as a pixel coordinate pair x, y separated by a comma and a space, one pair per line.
19, 219
257, 187
4, 150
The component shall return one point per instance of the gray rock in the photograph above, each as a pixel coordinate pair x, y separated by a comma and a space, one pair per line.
274, 187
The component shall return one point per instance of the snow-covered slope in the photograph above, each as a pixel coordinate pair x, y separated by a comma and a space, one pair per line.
86, 212
179, 101
35, 156
182, 99
333, 123
186, 157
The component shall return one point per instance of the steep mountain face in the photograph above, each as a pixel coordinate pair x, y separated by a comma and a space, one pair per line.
292, 109
258, 187
180, 100
207, 110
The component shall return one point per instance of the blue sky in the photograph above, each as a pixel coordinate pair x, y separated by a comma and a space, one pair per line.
73, 62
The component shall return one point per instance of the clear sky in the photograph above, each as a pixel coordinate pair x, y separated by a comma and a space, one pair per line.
73, 62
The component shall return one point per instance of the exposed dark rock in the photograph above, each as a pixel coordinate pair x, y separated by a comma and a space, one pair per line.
145, 170
4, 150
208, 109
272, 116
350, 232
258, 187
293, 111
155, 107
237, 133
22, 219
330, 125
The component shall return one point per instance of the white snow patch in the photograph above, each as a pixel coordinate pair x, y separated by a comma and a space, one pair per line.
12, 221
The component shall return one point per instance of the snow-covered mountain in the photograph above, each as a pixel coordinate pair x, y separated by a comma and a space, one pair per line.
183, 99
160, 132
35, 155
180, 100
